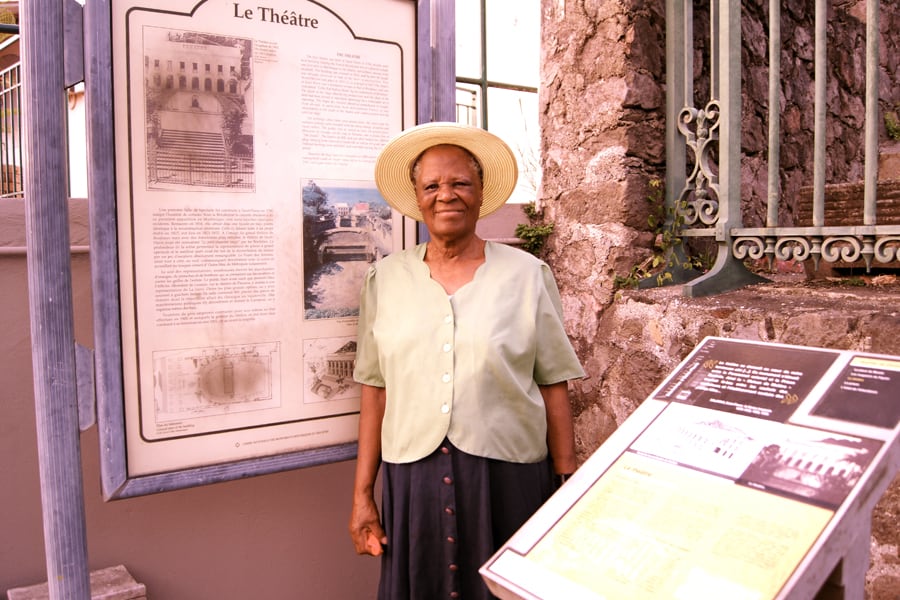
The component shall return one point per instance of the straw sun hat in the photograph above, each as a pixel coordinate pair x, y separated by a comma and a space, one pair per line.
394, 164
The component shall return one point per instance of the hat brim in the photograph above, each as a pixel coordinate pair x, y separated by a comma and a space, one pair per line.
392, 168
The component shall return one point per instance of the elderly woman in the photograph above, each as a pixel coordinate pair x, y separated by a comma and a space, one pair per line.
464, 365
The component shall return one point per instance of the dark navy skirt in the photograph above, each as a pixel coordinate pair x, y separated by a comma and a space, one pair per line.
446, 514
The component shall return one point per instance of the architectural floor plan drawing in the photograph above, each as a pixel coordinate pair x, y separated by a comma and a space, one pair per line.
209, 382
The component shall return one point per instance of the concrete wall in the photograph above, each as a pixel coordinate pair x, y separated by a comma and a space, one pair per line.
280, 536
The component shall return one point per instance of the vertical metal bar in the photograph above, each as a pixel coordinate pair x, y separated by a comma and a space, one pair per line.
5, 164
821, 74
872, 124
686, 49
18, 130
50, 301
774, 187
729, 69
482, 42
679, 83
11, 119
714, 49
18, 142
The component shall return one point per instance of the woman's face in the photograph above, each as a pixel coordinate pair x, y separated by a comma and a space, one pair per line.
448, 191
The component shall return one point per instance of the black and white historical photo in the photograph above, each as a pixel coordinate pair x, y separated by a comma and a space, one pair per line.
329, 365
198, 91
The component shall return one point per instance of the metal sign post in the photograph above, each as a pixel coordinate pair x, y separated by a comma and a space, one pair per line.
50, 299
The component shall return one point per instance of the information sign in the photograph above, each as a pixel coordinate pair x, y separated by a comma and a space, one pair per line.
729, 481
246, 136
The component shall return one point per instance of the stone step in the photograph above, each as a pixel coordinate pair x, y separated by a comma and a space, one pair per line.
844, 204
112, 583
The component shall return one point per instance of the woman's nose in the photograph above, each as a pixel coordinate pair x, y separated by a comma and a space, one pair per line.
445, 192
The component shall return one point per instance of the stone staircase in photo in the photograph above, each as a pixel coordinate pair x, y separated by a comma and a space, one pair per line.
191, 156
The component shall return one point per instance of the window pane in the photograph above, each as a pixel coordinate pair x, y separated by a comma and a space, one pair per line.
513, 41
468, 39
514, 117
468, 104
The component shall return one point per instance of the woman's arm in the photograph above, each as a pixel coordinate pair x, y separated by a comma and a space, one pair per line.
365, 524
560, 430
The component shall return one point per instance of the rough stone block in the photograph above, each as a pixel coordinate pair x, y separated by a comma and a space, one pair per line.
112, 583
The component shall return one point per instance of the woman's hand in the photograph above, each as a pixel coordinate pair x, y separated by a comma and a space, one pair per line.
365, 527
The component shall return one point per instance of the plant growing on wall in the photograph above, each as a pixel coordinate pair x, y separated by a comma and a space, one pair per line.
892, 123
672, 261
533, 234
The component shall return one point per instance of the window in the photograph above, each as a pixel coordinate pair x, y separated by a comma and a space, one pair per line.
497, 75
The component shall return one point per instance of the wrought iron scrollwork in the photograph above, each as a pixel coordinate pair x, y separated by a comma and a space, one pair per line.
887, 249
748, 247
699, 199
831, 248
843, 247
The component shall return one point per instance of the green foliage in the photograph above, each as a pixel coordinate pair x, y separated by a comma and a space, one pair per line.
534, 234
892, 124
532, 212
671, 253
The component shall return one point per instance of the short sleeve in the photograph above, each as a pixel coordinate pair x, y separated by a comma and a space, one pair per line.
368, 368
555, 359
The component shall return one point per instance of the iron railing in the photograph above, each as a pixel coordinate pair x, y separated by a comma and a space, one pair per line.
11, 132
703, 153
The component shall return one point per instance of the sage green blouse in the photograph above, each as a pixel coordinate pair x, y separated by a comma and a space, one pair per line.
465, 366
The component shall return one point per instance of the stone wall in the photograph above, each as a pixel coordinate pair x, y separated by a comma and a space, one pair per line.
603, 135
602, 118
645, 334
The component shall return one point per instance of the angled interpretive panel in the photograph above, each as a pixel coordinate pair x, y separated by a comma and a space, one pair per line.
750, 473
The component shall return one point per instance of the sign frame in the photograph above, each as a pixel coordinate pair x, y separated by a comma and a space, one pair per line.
422, 64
